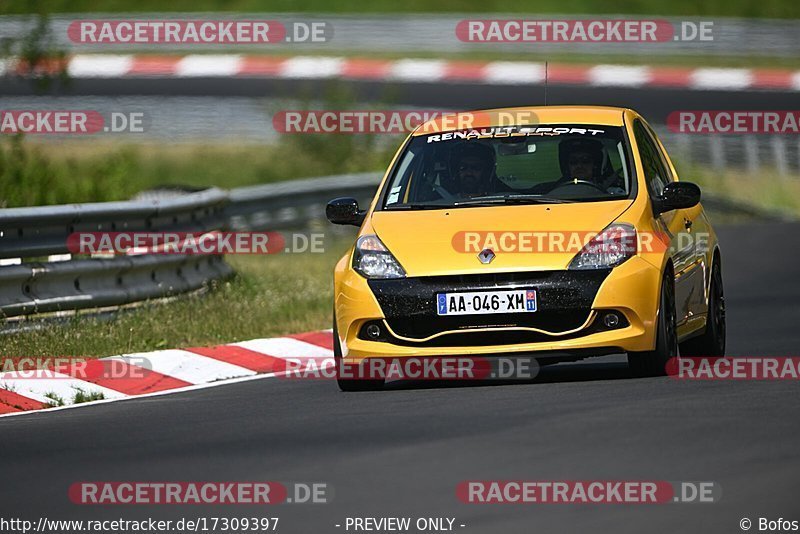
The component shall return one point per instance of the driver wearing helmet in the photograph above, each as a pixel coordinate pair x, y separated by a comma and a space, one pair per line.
472, 168
470, 173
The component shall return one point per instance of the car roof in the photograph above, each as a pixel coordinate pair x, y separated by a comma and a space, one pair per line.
531, 115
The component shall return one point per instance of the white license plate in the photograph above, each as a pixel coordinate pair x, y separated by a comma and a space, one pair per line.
485, 302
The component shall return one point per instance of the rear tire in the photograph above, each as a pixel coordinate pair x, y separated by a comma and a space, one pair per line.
349, 384
712, 341
654, 362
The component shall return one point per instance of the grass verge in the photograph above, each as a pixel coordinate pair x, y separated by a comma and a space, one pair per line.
33, 174
768, 189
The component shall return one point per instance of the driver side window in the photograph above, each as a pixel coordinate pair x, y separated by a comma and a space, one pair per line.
654, 171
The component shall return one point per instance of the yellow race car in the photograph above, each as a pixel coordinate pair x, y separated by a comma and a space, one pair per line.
554, 232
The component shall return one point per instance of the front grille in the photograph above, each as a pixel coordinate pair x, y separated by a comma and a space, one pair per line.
564, 301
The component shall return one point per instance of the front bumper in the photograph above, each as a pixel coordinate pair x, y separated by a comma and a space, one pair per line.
567, 323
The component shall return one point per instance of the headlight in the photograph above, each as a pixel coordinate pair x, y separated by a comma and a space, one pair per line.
372, 259
609, 248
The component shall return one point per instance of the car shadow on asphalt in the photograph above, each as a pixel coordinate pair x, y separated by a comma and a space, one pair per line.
584, 371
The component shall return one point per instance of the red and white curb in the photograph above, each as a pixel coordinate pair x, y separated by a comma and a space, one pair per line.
160, 372
421, 70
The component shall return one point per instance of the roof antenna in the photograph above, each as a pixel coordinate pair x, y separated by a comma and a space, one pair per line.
545, 83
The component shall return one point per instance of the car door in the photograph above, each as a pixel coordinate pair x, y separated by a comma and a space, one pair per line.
697, 235
673, 223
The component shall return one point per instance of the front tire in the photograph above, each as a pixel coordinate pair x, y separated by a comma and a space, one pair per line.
712, 341
654, 362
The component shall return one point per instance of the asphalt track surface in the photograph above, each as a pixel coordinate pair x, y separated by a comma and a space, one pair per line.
402, 451
655, 103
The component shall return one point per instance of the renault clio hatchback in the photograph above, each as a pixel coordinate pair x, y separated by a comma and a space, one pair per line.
555, 232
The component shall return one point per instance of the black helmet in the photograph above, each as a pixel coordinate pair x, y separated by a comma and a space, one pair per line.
592, 147
472, 149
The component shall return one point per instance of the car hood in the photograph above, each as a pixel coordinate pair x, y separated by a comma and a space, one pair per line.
447, 241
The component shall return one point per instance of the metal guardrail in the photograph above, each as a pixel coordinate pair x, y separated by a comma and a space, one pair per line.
41, 287
38, 286
43, 230
286, 204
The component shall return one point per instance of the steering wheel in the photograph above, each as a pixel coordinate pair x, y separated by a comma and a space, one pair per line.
573, 187
576, 181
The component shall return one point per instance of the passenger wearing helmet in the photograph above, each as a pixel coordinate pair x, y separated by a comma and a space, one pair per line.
582, 161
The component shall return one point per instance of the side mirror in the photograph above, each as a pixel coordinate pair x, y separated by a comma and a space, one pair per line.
678, 196
344, 211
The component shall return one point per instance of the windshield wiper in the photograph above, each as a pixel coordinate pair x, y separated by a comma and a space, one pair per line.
512, 199
483, 201
417, 206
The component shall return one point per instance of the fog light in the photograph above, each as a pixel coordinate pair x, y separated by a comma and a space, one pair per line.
374, 331
611, 320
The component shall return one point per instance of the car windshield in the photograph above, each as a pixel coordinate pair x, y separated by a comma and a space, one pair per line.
511, 165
